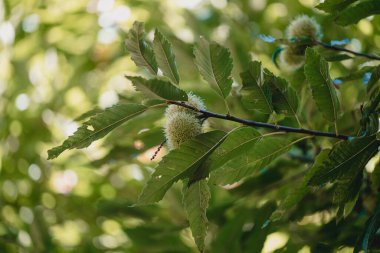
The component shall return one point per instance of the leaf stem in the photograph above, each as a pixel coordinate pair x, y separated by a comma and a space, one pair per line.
328, 46
252, 123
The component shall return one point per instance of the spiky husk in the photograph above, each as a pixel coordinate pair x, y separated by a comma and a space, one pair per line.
303, 27
180, 127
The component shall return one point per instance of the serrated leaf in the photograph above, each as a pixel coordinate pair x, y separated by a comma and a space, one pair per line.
88, 114
98, 126
215, 65
323, 91
141, 51
263, 153
354, 13
301, 190
344, 158
195, 199
157, 88
346, 193
237, 141
255, 94
165, 57
284, 97
179, 164
334, 5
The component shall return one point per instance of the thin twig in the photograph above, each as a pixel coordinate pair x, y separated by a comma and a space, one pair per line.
252, 123
328, 46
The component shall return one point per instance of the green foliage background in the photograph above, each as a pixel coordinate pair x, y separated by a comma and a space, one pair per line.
60, 59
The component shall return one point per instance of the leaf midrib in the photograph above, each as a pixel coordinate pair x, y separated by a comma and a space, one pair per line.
111, 125
282, 148
142, 55
160, 41
191, 165
351, 157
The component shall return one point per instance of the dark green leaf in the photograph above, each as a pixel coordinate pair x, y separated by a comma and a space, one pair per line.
323, 90
345, 157
262, 154
195, 199
165, 57
301, 190
215, 65
373, 85
372, 225
179, 164
255, 94
157, 88
334, 5
98, 126
141, 52
238, 140
353, 13
284, 97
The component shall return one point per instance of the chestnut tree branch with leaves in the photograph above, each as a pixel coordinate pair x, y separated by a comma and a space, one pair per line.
201, 155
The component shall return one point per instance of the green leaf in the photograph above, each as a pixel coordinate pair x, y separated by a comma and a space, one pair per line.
284, 97
141, 52
353, 13
373, 85
262, 154
98, 126
323, 91
255, 94
215, 65
165, 57
195, 199
334, 5
88, 114
157, 88
179, 164
301, 190
346, 193
237, 141
345, 158
372, 225
228, 238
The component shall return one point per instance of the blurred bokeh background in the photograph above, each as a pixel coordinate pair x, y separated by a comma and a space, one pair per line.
59, 59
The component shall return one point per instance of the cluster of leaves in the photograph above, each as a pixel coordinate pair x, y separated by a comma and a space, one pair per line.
222, 158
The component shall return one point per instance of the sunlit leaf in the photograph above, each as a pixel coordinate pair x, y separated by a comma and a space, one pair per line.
323, 90
140, 50
165, 57
157, 88
98, 126
195, 199
215, 65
